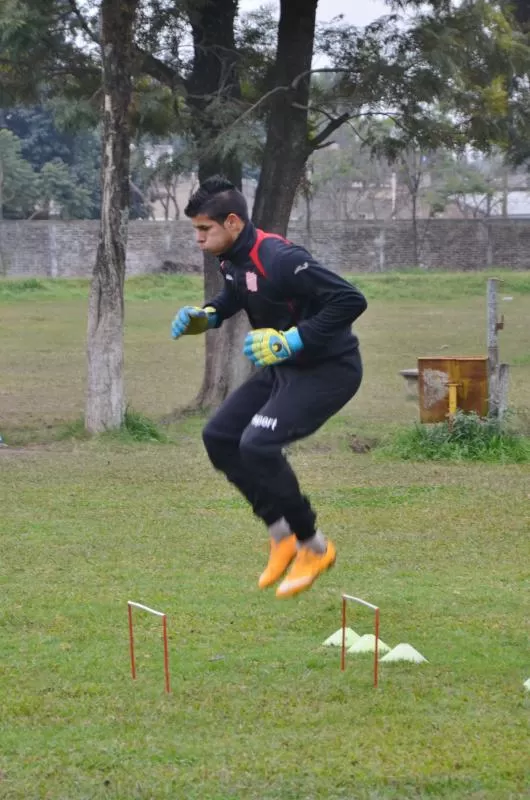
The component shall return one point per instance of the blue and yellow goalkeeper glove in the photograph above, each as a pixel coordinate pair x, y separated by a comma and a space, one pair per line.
267, 346
192, 320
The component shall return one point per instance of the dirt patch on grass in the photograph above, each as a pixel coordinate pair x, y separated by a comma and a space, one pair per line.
362, 444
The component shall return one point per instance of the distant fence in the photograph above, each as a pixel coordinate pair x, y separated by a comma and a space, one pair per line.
67, 249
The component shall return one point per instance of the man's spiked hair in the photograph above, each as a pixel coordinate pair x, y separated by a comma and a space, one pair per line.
217, 197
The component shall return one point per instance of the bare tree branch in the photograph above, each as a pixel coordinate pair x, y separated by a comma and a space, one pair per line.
308, 72
325, 145
82, 21
332, 126
317, 109
292, 86
159, 70
166, 75
356, 132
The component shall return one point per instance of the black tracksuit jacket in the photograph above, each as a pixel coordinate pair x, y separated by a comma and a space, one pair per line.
281, 285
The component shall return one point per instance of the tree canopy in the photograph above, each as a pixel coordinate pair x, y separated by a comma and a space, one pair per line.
451, 74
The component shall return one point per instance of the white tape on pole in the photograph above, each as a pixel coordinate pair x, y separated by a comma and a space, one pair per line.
146, 608
359, 600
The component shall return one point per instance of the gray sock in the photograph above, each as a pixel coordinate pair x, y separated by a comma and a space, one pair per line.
318, 543
280, 529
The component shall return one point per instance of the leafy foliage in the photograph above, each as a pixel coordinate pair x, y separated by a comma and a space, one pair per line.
256, 37
65, 165
56, 184
40, 137
41, 46
449, 77
24, 191
17, 179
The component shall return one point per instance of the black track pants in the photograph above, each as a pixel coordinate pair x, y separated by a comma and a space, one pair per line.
277, 406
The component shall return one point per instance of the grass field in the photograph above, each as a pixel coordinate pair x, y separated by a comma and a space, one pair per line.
259, 709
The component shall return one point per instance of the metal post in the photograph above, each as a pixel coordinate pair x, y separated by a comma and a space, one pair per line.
166, 654
130, 605
375, 609
131, 642
493, 348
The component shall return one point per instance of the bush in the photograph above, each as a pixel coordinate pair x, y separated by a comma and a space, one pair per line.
468, 438
141, 429
136, 428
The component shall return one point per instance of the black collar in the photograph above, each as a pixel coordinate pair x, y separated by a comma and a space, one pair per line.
239, 252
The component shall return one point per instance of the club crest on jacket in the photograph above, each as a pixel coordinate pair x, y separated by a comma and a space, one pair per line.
252, 281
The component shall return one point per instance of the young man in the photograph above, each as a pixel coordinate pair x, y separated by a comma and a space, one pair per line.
301, 315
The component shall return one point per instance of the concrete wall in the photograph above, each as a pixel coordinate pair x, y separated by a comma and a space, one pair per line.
67, 249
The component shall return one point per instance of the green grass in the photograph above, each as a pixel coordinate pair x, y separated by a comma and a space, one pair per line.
440, 286
259, 709
392, 286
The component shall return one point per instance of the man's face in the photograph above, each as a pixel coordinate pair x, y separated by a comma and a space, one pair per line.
214, 238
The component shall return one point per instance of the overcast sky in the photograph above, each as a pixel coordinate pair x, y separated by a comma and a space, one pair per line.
357, 12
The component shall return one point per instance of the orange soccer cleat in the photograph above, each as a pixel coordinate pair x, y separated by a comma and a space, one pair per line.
281, 554
306, 568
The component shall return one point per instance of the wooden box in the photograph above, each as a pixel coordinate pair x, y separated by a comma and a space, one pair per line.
436, 374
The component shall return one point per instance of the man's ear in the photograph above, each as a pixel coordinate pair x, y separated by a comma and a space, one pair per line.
232, 221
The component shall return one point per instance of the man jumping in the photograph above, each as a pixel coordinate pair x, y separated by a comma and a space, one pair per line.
301, 316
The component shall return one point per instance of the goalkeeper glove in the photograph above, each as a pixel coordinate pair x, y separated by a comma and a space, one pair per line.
192, 320
267, 346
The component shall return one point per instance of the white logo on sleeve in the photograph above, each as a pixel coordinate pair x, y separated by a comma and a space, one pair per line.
229, 277
259, 421
300, 267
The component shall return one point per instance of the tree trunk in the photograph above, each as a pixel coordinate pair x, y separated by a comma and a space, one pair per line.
308, 220
286, 151
213, 85
287, 147
105, 401
3, 267
415, 238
